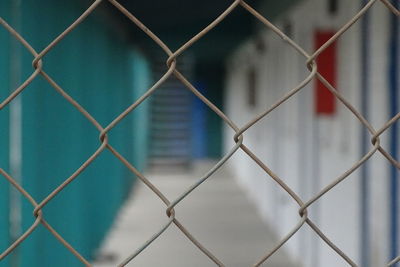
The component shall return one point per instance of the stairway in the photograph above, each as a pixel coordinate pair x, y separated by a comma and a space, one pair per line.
170, 127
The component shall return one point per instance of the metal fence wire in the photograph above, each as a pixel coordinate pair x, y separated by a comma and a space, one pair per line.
310, 63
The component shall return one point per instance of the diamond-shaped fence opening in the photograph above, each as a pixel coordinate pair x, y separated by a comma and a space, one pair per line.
91, 82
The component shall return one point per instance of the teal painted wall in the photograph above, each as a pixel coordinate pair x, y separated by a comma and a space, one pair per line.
4, 131
105, 75
141, 82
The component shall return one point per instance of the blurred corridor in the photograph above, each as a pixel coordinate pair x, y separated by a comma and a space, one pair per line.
218, 213
299, 99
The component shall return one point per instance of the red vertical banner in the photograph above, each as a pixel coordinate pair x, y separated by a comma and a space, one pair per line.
325, 101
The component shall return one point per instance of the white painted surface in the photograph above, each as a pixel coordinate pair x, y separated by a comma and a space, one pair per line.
308, 152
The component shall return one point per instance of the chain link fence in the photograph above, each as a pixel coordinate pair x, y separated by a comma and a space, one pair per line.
239, 137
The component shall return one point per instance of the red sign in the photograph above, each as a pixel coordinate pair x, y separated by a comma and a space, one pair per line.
325, 101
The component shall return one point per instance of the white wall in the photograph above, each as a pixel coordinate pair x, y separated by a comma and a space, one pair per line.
379, 166
307, 151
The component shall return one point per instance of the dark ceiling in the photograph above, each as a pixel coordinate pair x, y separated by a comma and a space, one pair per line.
176, 21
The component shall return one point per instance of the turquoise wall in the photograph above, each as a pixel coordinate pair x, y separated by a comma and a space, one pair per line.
4, 132
140, 80
105, 74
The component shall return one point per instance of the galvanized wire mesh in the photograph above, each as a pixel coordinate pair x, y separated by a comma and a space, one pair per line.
173, 56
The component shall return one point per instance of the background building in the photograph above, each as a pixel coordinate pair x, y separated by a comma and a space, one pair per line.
313, 138
107, 63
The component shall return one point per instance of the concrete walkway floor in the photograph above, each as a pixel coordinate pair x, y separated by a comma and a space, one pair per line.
217, 213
